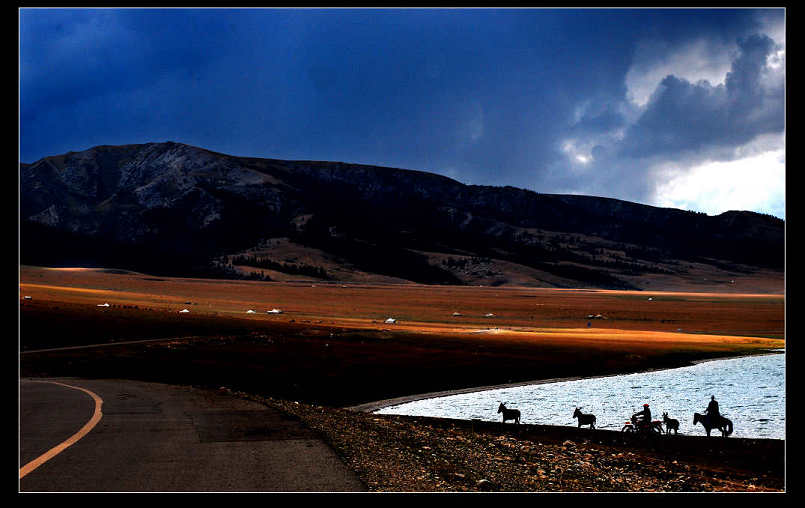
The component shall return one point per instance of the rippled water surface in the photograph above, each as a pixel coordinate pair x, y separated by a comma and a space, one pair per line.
750, 392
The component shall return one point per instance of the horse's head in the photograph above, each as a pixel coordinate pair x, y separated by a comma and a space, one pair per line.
696, 418
576, 413
501, 407
665, 416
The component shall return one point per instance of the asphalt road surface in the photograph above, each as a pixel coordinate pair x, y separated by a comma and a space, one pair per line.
150, 437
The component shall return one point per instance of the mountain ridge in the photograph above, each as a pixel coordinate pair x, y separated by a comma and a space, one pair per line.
171, 201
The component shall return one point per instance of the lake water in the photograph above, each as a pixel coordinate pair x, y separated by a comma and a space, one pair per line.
750, 392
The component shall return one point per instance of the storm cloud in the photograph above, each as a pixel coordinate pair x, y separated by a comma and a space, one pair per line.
683, 116
634, 104
635, 150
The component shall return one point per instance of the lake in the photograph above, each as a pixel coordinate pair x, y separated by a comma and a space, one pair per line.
750, 392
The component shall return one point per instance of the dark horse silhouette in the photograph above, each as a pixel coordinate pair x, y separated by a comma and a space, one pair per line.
724, 424
670, 424
509, 414
584, 419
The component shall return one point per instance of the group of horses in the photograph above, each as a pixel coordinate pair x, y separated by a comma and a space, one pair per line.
723, 424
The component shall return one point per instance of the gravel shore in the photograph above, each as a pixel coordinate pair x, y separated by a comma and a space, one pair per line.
417, 454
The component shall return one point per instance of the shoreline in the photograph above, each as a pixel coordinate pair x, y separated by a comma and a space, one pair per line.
398, 453
372, 407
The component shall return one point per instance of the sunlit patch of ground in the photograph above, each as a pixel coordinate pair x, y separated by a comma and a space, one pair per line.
517, 312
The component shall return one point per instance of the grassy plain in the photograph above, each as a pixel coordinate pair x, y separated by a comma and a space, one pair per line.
331, 344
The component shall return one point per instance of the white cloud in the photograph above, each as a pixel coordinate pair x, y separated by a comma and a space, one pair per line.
755, 181
578, 153
774, 73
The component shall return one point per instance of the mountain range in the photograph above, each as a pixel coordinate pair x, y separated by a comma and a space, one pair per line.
174, 209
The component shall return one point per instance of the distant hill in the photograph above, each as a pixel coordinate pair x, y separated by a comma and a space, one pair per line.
176, 209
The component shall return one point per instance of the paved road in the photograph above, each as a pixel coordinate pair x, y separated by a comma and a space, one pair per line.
155, 437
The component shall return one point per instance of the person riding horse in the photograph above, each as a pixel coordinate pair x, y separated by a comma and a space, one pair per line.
644, 415
712, 411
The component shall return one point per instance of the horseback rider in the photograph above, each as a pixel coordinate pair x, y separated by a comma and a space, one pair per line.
712, 410
644, 415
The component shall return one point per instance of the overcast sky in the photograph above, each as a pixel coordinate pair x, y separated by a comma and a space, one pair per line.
676, 108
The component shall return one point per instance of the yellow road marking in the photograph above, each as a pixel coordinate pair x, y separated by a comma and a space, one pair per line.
96, 417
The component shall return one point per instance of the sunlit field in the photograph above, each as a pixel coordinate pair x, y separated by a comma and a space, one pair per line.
330, 338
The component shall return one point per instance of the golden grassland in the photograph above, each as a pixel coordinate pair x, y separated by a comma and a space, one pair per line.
331, 338
422, 308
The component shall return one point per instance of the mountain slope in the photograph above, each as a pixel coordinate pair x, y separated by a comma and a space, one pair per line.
174, 208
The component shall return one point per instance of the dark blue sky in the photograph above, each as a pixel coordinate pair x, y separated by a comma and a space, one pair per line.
680, 108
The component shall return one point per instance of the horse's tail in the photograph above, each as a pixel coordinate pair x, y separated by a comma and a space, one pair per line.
729, 426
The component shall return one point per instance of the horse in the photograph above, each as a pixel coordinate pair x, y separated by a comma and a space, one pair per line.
670, 424
584, 419
509, 414
725, 425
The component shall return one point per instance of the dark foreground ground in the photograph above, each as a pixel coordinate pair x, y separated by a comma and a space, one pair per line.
310, 369
154, 437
